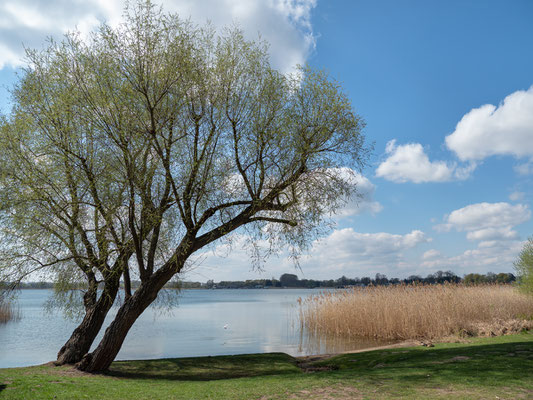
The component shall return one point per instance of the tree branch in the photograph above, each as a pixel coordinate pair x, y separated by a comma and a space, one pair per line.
275, 220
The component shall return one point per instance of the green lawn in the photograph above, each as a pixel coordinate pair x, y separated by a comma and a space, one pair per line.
489, 368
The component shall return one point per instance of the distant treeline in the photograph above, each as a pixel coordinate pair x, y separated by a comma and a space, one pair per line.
30, 285
292, 281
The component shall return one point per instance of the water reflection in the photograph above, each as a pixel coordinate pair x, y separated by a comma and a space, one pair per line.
311, 343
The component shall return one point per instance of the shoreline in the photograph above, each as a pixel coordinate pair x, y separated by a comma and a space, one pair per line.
448, 370
307, 358
399, 345
310, 358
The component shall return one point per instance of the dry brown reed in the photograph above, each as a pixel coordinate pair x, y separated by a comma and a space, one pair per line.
418, 311
6, 312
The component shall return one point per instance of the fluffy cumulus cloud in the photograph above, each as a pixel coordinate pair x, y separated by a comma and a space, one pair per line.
506, 129
487, 221
410, 163
285, 24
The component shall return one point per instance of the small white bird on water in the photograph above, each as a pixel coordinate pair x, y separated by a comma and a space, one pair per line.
226, 326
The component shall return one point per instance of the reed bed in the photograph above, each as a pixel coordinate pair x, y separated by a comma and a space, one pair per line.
418, 311
6, 312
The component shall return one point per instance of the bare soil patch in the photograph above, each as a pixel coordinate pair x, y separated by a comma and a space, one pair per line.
337, 392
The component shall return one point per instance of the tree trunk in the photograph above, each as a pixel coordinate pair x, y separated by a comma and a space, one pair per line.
83, 336
102, 357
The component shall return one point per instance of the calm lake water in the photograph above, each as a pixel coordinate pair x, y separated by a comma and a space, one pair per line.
205, 322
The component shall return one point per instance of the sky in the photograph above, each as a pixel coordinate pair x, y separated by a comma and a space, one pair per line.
445, 89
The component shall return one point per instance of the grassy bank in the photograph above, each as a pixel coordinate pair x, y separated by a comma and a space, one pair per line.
419, 311
500, 367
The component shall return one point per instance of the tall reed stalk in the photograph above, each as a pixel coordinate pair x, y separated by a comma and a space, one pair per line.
417, 311
6, 311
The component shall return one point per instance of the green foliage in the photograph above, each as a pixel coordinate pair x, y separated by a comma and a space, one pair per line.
480, 279
288, 279
158, 129
524, 267
127, 152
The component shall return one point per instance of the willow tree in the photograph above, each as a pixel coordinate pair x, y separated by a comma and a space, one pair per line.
524, 267
127, 153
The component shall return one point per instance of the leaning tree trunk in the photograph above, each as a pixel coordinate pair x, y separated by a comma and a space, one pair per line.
83, 336
102, 357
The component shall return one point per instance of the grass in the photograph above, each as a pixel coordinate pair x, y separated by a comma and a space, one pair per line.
418, 311
500, 367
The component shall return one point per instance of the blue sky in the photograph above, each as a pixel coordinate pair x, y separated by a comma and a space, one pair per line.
446, 90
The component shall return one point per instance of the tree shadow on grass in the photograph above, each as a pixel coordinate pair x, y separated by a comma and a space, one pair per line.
206, 368
483, 364
490, 364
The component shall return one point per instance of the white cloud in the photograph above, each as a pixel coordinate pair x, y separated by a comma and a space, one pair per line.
364, 201
506, 129
27, 23
431, 254
409, 163
489, 256
525, 168
285, 24
8, 56
26, 15
487, 221
350, 253
493, 233
491, 226
343, 252
516, 196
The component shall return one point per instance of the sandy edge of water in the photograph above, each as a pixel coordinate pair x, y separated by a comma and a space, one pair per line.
406, 343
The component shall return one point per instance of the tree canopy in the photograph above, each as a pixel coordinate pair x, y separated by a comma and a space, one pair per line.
126, 153
524, 267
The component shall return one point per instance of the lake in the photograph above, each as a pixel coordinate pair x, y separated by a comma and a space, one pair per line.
205, 322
